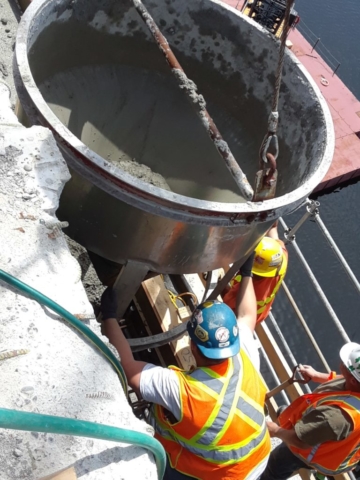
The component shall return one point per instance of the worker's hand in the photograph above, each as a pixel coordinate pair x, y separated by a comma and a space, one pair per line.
272, 427
108, 304
245, 269
308, 373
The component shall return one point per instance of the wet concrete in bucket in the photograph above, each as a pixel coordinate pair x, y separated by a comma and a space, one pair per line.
140, 121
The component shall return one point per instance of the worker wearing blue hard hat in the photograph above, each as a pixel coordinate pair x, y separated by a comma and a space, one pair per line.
213, 328
209, 419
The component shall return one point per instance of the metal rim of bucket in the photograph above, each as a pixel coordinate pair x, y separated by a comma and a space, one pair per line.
141, 194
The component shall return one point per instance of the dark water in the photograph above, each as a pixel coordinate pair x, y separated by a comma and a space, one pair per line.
337, 23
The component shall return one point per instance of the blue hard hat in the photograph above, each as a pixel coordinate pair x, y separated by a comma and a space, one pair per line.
213, 328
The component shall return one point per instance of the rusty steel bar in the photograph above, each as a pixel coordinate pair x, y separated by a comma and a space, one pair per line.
197, 101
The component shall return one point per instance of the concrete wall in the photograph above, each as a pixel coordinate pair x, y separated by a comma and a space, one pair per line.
61, 371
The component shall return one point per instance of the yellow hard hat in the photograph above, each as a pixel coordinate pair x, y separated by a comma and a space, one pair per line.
269, 260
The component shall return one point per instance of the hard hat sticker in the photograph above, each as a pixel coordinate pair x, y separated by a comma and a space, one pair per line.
222, 334
207, 304
275, 260
259, 260
222, 345
235, 331
201, 334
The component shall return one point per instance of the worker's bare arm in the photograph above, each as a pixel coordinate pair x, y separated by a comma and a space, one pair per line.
132, 367
309, 373
246, 303
112, 330
287, 436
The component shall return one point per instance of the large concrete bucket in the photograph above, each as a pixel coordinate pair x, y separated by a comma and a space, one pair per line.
91, 72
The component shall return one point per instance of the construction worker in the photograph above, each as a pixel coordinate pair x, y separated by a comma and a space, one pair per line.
321, 430
210, 419
269, 269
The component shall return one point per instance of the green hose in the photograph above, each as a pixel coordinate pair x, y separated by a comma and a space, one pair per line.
35, 422
55, 307
68, 426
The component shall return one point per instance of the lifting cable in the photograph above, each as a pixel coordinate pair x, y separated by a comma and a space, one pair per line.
266, 178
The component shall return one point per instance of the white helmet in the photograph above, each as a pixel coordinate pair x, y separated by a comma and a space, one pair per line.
350, 356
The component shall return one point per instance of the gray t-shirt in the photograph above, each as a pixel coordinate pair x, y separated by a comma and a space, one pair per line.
325, 422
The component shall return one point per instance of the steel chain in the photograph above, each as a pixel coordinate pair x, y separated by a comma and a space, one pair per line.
271, 136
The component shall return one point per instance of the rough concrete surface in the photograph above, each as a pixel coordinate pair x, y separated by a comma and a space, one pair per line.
93, 287
8, 26
141, 171
61, 373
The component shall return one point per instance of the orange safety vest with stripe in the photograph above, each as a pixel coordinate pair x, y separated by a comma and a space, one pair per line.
265, 288
221, 434
332, 457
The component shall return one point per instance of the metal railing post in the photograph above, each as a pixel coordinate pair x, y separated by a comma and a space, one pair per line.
317, 286
286, 346
311, 209
272, 371
337, 251
305, 326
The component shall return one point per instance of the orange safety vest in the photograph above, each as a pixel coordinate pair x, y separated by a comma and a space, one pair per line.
265, 290
221, 434
332, 457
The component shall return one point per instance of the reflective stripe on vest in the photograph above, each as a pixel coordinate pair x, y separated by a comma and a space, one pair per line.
250, 411
226, 393
332, 457
343, 468
202, 376
353, 402
222, 410
222, 455
261, 304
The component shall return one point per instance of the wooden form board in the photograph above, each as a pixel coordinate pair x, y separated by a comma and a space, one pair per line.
168, 317
277, 360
